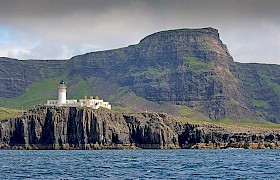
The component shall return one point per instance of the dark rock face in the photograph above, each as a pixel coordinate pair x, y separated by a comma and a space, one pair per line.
262, 84
213, 137
190, 67
71, 128
151, 130
65, 128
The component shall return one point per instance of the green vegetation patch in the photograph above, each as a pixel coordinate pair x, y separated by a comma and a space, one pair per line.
233, 103
9, 113
268, 82
274, 86
197, 63
118, 93
192, 116
236, 80
152, 72
194, 61
248, 122
251, 123
36, 93
195, 119
79, 89
259, 103
184, 110
262, 112
122, 109
227, 71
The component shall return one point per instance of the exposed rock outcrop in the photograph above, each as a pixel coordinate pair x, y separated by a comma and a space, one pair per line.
73, 128
214, 137
152, 130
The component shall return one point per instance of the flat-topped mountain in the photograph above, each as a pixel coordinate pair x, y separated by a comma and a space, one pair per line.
186, 67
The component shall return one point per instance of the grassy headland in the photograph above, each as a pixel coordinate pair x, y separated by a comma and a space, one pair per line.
9, 113
191, 116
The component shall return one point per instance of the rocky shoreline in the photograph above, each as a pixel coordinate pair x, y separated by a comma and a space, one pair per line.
76, 128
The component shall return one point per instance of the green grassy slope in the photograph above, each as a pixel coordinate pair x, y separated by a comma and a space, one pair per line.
77, 88
36, 93
194, 117
9, 113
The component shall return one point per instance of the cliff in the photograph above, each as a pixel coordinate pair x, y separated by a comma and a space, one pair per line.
71, 128
262, 84
186, 67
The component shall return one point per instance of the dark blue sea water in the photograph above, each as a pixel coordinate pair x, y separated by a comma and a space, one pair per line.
140, 164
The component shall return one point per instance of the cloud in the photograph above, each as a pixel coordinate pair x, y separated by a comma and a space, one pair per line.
60, 29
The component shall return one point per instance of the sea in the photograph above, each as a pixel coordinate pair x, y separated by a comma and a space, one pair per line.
140, 164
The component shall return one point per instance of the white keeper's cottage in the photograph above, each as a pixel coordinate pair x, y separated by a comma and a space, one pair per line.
94, 103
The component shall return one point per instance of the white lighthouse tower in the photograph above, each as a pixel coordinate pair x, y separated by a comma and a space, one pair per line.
61, 93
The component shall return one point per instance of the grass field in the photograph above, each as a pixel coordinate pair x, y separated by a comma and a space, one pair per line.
40, 92
193, 117
9, 113
37, 93
121, 109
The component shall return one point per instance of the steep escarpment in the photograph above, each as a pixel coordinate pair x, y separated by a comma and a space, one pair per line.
186, 67
262, 84
190, 67
71, 128
17, 75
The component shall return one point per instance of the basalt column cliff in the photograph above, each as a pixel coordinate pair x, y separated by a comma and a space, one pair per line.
72, 128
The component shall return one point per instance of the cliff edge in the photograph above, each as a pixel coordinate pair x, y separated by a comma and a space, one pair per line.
80, 128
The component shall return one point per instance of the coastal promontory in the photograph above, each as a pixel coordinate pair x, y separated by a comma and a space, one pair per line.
159, 90
44, 127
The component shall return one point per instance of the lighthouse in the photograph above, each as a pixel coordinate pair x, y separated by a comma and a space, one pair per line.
94, 103
62, 93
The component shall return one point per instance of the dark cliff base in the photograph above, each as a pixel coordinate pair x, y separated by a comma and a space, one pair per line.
73, 128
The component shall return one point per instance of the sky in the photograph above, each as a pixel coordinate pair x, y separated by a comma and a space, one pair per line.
60, 29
